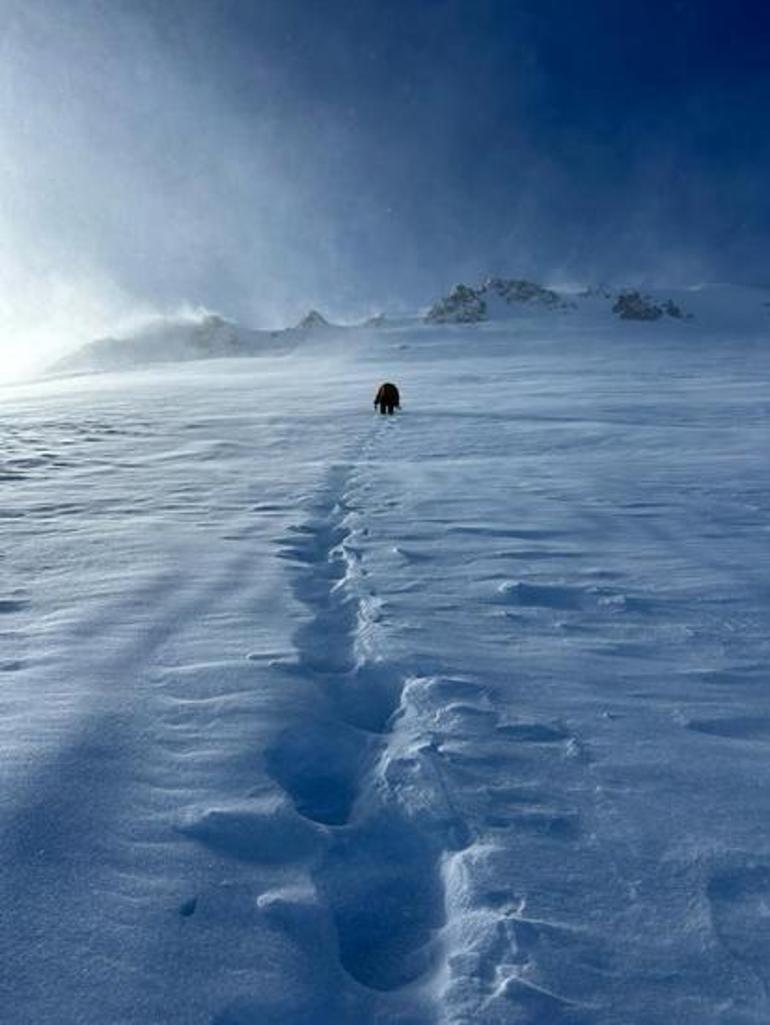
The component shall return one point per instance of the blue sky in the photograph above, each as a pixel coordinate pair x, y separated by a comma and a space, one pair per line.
258, 157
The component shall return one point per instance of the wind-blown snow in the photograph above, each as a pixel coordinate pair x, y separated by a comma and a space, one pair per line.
316, 717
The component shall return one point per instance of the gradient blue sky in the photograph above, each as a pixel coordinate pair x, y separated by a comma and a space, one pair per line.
258, 157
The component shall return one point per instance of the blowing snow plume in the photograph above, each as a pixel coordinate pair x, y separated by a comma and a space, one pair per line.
134, 184
264, 159
180, 339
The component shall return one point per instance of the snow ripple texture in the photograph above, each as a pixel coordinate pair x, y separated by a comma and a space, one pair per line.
316, 717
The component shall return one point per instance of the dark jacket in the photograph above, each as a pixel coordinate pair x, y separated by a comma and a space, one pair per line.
387, 395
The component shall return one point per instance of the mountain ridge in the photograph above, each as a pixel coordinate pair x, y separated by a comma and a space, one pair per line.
210, 335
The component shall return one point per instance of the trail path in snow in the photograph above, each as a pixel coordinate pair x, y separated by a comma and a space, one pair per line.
314, 717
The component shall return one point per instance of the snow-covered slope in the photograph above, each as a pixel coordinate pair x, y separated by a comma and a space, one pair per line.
172, 340
316, 717
186, 338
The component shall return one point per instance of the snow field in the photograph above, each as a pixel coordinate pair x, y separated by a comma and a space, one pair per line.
311, 716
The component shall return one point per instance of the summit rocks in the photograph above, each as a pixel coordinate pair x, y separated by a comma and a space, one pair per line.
632, 305
467, 305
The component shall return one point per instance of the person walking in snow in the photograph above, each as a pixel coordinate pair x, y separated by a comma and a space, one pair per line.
387, 398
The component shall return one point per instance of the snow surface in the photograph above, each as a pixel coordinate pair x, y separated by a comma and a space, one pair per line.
315, 717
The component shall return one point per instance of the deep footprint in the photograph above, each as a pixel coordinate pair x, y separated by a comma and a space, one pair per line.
387, 900
319, 766
367, 697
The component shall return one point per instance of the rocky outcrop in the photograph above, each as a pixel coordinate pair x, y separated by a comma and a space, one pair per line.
517, 290
463, 305
633, 305
501, 297
468, 305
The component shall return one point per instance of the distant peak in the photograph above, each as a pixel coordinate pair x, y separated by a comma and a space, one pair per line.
313, 319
